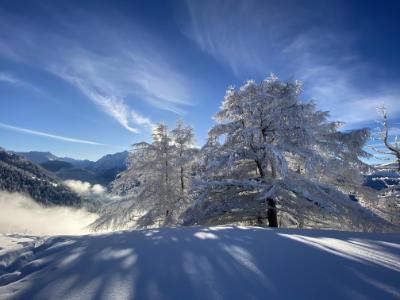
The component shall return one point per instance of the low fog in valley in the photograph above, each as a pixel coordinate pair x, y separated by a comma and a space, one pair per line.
20, 214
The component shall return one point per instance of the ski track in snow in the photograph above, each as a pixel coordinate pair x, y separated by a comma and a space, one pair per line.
219, 262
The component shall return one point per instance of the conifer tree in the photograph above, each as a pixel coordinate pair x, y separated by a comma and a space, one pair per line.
271, 151
154, 188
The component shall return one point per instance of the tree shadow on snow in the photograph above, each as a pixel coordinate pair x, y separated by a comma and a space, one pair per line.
219, 262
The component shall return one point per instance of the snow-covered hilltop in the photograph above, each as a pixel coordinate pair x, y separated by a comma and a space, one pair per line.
204, 263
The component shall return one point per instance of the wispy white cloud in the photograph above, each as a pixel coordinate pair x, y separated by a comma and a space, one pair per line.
226, 30
125, 68
111, 81
254, 38
6, 77
40, 133
13, 80
114, 107
332, 80
138, 119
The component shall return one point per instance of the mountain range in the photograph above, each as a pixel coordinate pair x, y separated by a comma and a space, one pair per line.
18, 174
102, 171
383, 174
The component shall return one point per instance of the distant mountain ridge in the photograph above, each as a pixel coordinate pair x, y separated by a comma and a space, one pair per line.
81, 163
41, 157
102, 171
18, 174
110, 165
56, 165
37, 156
383, 174
65, 170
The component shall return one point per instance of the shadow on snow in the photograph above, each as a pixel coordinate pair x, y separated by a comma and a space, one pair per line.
219, 262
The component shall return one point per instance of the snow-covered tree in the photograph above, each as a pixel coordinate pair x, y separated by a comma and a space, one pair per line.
185, 152
386, 180
271, 151
153, 189
392, 148
388, 173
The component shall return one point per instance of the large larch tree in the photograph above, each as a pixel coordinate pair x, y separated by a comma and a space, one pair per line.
270, 150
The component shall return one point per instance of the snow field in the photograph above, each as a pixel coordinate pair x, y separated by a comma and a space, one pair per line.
219, 262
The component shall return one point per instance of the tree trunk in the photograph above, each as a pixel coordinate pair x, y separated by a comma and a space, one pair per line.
272, 216
182, 181
398, 162
271, 213
166, 172
260, 170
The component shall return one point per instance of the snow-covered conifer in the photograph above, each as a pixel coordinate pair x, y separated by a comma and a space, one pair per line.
392, 148
388, 173
183, 139
271, 151
153, 189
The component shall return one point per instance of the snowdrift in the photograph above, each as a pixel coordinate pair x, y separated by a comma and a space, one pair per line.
218, 262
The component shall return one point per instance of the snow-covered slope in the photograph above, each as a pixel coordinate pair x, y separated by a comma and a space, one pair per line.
110, 165
111, 161
205, 263
43, 157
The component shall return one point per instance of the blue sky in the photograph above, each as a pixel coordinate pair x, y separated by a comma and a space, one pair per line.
87, 78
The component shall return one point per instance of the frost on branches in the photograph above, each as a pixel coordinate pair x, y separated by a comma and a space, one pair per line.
154, 188
271, 156
383, 135
388, 173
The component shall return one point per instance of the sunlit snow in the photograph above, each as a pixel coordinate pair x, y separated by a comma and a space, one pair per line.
218, 262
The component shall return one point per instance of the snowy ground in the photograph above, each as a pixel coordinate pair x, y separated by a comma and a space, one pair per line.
202, 263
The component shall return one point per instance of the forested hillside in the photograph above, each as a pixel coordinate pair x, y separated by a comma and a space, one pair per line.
18, 174
103, 171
